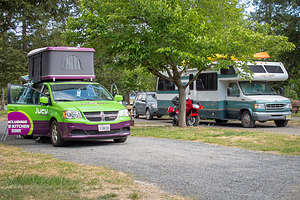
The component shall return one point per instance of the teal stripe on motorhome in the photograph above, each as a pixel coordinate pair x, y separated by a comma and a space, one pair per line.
227, 76
163, 105
167, 92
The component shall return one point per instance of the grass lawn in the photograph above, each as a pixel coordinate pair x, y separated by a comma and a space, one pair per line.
267, 142
296, 114
33, 176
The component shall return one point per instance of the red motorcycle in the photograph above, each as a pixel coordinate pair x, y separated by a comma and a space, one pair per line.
192, 112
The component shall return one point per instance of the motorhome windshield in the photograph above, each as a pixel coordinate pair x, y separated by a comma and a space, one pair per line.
257, 88
80, 92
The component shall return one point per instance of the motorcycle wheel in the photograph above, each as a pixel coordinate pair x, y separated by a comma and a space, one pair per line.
191, 121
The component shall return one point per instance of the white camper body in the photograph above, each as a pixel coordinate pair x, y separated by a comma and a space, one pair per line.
225, 95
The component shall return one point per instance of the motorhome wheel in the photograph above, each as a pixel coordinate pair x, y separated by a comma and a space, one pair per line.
247, 120
281, 123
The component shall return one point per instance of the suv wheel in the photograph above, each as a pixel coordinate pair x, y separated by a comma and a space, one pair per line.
148, 114
135, 115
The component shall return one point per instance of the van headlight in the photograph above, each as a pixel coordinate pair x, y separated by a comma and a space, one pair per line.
259, 106
123, 113
72, 114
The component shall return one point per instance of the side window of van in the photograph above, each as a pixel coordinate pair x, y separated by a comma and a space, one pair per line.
235, 90
29, 96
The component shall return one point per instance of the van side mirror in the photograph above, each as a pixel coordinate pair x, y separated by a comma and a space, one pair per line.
118, 98
281, 91
229, 91
44, 100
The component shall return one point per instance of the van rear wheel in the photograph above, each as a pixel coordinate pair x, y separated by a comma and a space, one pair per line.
247, 120
56, 137
281, 123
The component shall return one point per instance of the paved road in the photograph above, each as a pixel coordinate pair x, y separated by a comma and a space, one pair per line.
193, 169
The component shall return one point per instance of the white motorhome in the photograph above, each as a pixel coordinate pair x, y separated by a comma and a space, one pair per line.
225, 95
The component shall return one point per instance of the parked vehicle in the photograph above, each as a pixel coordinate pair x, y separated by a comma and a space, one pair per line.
192, 112
227, 96
145, 103
58, 102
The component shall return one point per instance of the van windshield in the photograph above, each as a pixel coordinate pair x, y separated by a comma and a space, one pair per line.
257, 88
80, 92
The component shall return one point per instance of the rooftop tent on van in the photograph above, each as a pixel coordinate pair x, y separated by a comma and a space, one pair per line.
61, 63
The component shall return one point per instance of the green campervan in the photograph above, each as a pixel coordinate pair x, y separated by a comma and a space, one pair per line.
60, 100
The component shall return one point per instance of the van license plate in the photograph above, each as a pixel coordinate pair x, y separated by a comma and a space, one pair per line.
104, 127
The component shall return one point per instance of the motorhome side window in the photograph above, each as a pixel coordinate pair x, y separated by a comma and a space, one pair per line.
229, 71
165, 85
273, 69
207, 82
257, 69
235, 90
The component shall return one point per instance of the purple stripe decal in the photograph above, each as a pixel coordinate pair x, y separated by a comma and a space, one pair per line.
92, 127
69, 49
40, 127
68, 77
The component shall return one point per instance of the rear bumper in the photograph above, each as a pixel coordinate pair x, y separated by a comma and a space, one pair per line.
267, 116
72, 131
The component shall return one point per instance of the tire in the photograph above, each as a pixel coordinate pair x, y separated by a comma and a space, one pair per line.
221, 122
149, 116
55, 134
191, 121
120, 140
175, 120
281, 123
158, 116
135, 115
247, 120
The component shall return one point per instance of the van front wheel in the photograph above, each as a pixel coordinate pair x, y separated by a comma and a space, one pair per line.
120, 140
247, 120
55, 132
281, 123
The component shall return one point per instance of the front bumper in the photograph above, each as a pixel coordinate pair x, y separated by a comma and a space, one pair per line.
72, 131
267, 116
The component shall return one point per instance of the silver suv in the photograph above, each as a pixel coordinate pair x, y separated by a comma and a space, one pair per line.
145, 103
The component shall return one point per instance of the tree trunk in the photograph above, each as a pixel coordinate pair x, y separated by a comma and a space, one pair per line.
182, 107
2, 99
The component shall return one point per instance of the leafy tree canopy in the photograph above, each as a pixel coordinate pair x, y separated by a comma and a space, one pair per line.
161, 35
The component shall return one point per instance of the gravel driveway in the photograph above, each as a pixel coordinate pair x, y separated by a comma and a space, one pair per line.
193, 169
